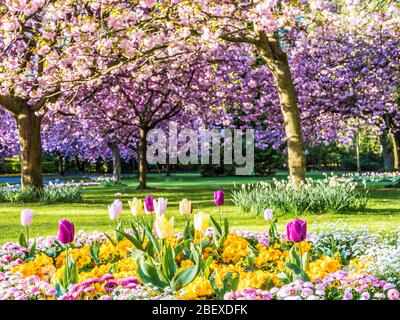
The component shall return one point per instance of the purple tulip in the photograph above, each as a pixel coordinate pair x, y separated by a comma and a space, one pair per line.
66, 231
149, 204
219, 198
296, 230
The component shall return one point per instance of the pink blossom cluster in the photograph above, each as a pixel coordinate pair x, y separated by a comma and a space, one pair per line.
336, 286
15, 287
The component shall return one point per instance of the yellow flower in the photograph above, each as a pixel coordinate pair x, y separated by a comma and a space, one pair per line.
136, 207
185, 207
164, 228
322, 267
42, 266
235, 248
199, 288
257, 280
305, 246
124, 247
201, 221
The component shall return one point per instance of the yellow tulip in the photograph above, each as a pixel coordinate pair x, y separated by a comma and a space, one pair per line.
185, 207
201, 221
136, 207
164, 228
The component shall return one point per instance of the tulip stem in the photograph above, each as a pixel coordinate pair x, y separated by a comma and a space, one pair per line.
27, 237
220, 216
301, 255
67, 265
115, 230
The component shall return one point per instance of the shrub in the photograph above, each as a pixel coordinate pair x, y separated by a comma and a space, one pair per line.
50, 194
56, 194
25, 195
317, 196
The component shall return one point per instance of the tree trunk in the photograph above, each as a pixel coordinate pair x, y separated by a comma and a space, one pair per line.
98, 166
29, 124
396, 150
291, 115
142, 160
116, 160
61, 167
80, 164
358, 155
387, 147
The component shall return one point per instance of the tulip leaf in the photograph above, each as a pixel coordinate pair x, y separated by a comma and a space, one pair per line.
294, 258
153, 239
181, 247
135, 230
293, 267
131, 239
118, 230
33, 249
168, 263
226, 226
22, 240
94, 252
216, 226
110, 239
149, 274
188, 231
184, 277
303, 276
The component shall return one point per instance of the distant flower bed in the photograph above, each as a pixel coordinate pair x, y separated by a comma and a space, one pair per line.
329, 195
52, 193
147, 259
392, 177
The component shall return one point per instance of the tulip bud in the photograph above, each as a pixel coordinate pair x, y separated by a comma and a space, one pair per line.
201, 221
136, 207
26, 217
296, 231
269, 214
149, 205
160, 206
185, 207
219, 198
164, 228
66, 231
115, 210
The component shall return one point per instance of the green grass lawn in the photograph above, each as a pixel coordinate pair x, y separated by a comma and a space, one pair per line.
383, 210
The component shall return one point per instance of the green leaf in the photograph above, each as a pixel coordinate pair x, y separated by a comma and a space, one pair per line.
216, 225
149, 274
110, 239
181, 246
33, 249
184, 277
135, 230
168, 263
303, 276
22, 240
293, 267
60, 289
94, 252
153, 240
188, 231
226, 227
131, 239
294, 258
119, 229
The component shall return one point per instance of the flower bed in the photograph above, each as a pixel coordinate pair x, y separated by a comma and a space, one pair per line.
199, 263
